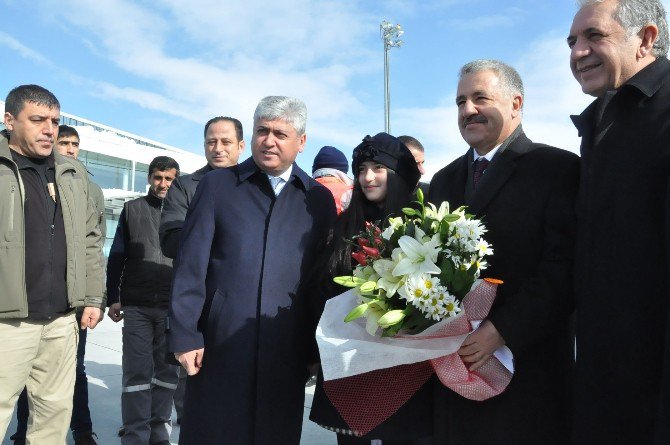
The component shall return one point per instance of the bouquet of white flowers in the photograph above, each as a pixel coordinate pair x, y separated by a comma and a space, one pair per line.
416, 285
418, 270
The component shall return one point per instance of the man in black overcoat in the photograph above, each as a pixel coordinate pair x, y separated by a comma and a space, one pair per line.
524, 192
238, 319
224, 142
618, 55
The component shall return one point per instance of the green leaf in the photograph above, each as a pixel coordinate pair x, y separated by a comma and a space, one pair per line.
460, 281
391, 318
349, 281
447, 268
409, 211
451, 218
444, 230
356, 312
410, 230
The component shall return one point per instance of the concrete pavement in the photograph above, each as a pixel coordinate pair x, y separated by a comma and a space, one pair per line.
103, 366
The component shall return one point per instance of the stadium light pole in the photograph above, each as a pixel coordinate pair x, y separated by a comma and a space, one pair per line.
390, 34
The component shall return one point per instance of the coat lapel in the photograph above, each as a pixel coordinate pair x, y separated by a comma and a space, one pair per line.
456, 187
498, 173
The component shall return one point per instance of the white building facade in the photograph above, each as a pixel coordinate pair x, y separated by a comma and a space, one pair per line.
118, 162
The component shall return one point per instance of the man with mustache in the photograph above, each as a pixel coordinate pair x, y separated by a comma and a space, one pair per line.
50, 263
524, 192
139, 279
622, 389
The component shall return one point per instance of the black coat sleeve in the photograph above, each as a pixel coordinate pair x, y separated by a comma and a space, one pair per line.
173, 214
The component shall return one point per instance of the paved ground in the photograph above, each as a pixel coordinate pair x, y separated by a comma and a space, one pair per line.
103, 365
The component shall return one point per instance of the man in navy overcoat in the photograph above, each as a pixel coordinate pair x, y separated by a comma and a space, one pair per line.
238, 321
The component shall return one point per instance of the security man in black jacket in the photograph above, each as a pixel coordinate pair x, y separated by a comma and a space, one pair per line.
139, 277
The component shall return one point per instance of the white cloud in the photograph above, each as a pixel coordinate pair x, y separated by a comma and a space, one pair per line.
25, 52
551, 95
305, 49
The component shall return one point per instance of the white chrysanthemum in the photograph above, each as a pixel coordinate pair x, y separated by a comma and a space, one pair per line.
438, 304
484, 248
417, 287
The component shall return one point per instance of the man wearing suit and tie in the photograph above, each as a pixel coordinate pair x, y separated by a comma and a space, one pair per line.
525, 193
239, 321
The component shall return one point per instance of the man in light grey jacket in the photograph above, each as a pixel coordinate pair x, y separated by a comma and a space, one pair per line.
50, 263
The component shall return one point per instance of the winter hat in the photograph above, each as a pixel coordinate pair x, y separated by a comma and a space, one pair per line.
330, 157
390, 152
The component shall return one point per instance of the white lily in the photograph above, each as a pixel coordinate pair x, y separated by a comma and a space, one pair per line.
387, 281
420, 257
437, 213
394, 224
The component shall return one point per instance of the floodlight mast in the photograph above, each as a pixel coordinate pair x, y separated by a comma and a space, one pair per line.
390, 34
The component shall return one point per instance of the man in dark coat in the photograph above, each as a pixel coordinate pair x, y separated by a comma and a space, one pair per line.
524, 192
239, 321
224, 142
618, 54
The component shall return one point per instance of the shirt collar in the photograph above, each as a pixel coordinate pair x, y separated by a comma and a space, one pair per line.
247, 168
285, 176
500, 147
488, 156
23, 161
650, 79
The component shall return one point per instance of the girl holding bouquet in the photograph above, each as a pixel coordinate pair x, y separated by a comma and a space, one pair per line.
386, 175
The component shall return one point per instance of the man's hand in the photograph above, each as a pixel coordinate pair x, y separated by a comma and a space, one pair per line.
191, 360
91, 317
480, 345
114, 312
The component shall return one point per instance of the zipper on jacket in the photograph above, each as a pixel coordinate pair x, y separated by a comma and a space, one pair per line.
12, 192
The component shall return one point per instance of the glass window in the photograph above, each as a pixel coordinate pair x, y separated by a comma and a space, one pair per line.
111, 221
108, 172
141, 174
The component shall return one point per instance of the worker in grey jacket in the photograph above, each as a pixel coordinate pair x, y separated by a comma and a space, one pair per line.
50, 263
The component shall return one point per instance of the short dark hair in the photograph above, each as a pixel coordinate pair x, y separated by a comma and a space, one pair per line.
66, 130
162, 163
236, 123
411, 142
19, 96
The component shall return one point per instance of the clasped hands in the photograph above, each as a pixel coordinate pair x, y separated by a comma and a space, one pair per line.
480, 345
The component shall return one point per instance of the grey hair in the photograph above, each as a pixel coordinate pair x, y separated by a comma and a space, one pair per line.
633, 15
509, 77
287, 109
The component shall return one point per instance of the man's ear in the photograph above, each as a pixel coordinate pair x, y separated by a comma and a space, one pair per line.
517, 104
9, 121
648, 34
303, 139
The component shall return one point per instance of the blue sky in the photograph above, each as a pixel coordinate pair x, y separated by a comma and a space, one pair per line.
161, 68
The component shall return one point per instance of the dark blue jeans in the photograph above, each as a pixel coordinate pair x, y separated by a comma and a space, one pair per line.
81, 416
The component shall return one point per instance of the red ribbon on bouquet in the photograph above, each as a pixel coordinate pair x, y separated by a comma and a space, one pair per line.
366, 400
